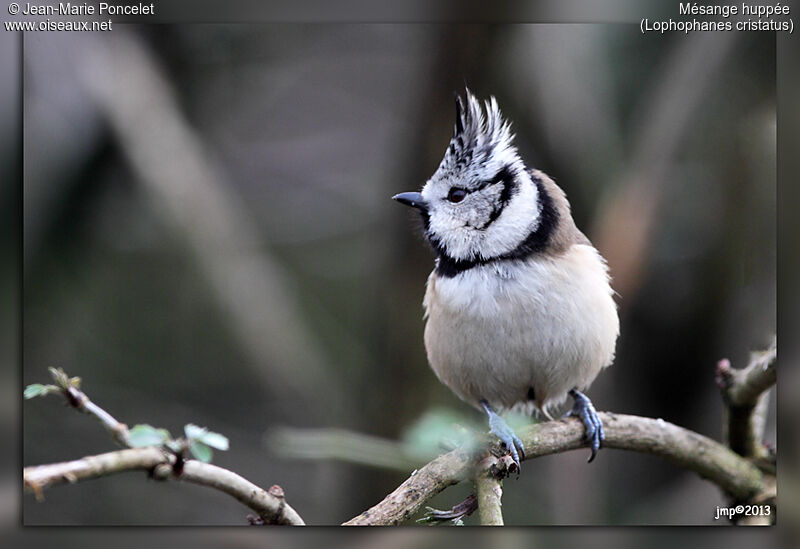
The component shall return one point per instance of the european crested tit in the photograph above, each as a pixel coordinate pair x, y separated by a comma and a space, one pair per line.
519, 307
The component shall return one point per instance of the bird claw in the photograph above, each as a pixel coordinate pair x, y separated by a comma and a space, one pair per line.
510, 440
499, 428
584, 409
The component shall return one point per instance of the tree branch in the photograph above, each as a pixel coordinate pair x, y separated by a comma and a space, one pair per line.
37, 478
422, 485
270, 505
489, 491
739, 478
343, 445
745, 392
488, 478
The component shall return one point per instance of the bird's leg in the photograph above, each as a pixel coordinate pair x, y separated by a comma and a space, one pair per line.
584, 409
499, 428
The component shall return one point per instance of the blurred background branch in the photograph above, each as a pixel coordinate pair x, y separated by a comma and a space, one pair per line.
628, 210
186, 188
347, 446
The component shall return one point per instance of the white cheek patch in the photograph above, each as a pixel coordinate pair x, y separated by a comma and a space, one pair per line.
517, 220
452, 234
466, 235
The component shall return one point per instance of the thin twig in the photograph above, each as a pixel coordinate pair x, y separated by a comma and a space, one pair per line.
79, 400
739, 478
745, 392
69, 387
456, 514
747, 385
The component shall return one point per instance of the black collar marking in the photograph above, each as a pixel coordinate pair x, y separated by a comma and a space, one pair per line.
535, 242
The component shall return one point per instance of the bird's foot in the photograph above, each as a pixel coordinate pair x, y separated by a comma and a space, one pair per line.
584, 409
499, 428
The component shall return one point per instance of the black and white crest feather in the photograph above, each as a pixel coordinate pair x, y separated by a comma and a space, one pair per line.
481, 136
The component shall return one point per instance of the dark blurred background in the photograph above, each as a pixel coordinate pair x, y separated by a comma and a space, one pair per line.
208, 238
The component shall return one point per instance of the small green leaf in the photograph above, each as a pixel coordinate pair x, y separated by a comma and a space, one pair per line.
194, 432
200, 451
209, 438
147, 435
37, 389
215, 440
33, 390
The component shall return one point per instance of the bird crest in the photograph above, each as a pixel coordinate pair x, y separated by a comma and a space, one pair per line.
480, 135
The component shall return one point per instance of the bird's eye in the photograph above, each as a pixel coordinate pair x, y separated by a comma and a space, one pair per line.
456, 195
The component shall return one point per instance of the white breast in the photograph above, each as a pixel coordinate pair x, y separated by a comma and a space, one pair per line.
496, 331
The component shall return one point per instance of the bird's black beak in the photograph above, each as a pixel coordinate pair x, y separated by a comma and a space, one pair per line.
414, 200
